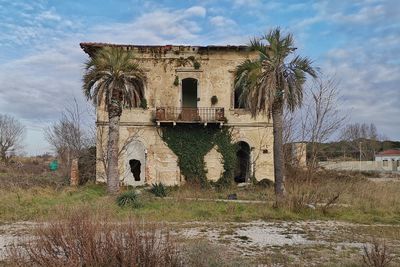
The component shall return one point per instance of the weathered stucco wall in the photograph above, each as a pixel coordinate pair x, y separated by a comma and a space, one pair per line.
215, 77
214, 164
160, 163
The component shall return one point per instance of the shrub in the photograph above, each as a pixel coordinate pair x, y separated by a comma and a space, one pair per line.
196, 65
87, 166
321, 190
176, 81
376, 255
159, 190
129, 198
265, 183
143, 103
214, 100
85, 241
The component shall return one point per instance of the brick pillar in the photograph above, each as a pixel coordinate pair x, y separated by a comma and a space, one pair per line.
74, 173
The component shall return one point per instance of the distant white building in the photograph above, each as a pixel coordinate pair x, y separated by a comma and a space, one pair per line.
389, 158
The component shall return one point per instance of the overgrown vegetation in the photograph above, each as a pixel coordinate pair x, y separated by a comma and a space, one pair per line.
191, 144
86, 241
33, 192
359, 201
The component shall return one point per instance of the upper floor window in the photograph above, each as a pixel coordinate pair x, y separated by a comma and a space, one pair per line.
237, 104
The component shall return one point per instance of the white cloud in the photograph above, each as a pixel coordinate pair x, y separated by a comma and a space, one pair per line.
246, 2
49, 15
369, 86
221, 21
196, 11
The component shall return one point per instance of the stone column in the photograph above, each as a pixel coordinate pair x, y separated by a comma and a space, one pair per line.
74, 181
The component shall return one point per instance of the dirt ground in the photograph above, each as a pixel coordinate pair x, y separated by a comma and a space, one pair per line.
279, 243
305, 243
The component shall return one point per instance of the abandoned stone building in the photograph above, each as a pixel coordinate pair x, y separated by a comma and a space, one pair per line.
185, 85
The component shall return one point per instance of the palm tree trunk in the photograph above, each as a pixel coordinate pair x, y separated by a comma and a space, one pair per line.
277, 115
112, 155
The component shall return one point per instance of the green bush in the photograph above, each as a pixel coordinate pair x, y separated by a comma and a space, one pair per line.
159, 190
196, 65
143, 103
87, 166
129, 198
176, 81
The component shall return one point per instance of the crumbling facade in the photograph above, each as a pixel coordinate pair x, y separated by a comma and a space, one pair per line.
185, 85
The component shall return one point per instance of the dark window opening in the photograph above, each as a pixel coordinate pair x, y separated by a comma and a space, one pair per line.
135, 168
242, 171
237, 103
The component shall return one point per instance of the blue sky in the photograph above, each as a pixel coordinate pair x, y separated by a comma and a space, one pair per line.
41, 62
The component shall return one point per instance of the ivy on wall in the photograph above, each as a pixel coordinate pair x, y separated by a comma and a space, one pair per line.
192, 142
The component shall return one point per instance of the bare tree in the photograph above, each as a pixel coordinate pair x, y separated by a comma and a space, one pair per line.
11, 135
318, 120
323, 117
360, 140
69, 136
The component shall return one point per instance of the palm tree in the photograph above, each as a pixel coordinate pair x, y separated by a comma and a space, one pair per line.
113, 76
270, 82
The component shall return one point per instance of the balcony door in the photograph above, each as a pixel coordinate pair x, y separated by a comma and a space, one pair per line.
189, 93
189, 100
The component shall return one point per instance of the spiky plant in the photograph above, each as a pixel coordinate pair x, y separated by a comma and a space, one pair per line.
159, 190
112, 76
129, 198
270, 82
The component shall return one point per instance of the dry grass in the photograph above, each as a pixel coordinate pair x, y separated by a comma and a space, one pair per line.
83, 240
326, 195
344, 195
29, 172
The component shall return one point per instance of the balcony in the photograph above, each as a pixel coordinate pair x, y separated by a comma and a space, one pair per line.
190, 115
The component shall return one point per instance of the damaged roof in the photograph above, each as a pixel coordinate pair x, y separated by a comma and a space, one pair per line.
90, 47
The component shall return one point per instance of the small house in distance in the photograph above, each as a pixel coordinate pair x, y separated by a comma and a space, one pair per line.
185, 85
390, 159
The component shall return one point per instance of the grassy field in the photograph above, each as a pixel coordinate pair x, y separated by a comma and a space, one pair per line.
344, 211
359, 201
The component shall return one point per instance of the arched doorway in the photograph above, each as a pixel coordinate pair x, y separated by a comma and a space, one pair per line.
189, 93
135, 164
242, 171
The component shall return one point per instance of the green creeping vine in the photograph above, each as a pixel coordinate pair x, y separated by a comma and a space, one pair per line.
191, 144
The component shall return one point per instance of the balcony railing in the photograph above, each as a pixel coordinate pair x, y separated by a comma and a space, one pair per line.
190, 115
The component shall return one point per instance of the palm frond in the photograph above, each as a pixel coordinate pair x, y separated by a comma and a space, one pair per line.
270, 78
113, 75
